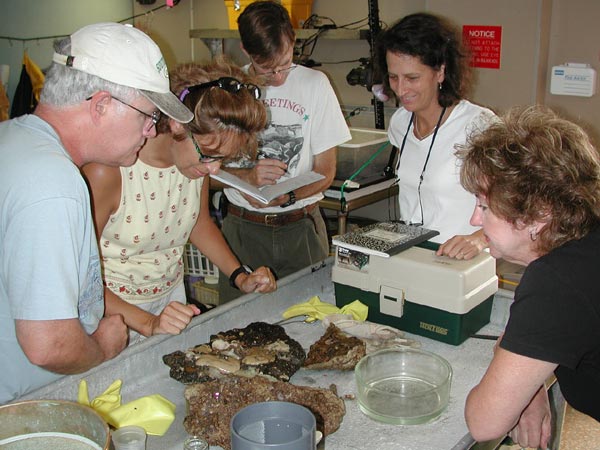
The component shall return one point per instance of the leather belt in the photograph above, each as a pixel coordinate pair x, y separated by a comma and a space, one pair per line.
272, 219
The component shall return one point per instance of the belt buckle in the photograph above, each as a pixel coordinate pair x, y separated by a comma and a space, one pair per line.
271, 219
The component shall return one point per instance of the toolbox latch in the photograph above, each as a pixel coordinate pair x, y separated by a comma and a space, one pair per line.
391, 301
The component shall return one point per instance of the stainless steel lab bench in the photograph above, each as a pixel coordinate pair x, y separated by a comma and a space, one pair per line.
142, 371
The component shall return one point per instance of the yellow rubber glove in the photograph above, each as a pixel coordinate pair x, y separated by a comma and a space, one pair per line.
82, 395
109, 400
357, 309
154, 413
315, 309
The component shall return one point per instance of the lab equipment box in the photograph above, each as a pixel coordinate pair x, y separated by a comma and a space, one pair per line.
416, 291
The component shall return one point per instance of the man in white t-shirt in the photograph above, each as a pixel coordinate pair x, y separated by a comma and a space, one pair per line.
101, 100
306, 126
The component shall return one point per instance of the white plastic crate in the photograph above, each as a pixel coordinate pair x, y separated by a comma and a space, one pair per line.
198, 265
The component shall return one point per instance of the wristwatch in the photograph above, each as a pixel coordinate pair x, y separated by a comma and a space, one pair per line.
291, 201
242, 269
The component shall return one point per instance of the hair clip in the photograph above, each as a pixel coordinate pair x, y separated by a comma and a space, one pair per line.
183, 94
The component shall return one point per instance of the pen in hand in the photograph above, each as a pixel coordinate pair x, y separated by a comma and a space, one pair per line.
262, 155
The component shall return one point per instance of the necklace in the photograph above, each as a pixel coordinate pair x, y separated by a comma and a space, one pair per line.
418, 133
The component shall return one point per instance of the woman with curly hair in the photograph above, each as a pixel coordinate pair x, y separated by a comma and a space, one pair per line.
536, 177
145, 214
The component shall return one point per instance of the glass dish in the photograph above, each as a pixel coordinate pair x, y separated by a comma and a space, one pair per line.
403, 386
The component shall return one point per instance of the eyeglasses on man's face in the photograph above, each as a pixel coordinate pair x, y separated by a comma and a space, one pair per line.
273, 73
229, 84
205, 159
153, 118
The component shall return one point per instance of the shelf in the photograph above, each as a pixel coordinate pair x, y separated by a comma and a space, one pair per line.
303, 33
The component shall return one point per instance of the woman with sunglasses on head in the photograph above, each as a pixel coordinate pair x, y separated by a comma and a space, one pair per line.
146, 213
424, 65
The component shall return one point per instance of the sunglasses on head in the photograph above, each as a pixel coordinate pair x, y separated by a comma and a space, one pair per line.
228, 84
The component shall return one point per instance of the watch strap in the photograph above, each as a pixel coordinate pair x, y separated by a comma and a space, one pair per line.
242, 269
291, 201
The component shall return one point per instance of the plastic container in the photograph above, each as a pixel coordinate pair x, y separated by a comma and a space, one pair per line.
353, 154
129, 438
419, 292
403, 386
299, 11
50, 424
273, 426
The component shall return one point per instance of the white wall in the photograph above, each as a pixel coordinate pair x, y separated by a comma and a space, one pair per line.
575, 37
26, 19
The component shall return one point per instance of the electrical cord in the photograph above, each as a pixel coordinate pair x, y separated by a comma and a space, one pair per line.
59, 36
356, 22
305, 48
314, 20
310, 41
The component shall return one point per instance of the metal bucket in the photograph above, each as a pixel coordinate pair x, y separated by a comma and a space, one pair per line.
34, 420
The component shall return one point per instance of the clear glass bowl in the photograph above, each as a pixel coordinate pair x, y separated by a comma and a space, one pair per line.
403, 386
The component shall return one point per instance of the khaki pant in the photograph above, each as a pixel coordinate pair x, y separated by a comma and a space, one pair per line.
286, 249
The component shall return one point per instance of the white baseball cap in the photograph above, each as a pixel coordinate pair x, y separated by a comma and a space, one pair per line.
127, 56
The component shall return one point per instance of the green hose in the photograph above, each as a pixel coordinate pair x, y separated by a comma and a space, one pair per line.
360, 169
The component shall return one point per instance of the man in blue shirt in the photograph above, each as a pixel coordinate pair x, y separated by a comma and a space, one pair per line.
102, 97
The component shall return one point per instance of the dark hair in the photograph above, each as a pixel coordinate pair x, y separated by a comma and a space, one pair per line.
533, 166
435, 42
217, 111
265, 30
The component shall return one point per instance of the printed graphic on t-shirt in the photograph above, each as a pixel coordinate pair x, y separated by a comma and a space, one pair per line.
282, 142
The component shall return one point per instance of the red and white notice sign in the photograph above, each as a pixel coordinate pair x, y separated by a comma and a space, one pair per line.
485, 43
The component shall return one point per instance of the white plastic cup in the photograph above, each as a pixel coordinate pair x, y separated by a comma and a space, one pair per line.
129, 438
273, 426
